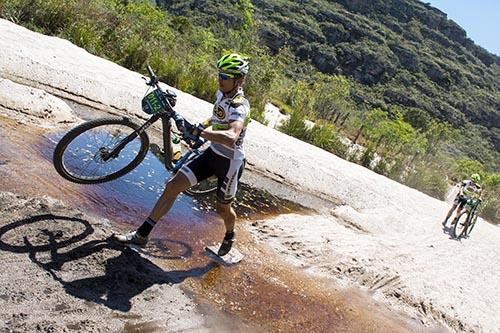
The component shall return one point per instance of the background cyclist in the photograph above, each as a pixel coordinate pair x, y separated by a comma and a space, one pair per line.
469, 188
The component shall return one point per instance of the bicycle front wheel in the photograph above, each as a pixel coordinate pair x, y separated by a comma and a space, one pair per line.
472, 224
81, 156
460, 227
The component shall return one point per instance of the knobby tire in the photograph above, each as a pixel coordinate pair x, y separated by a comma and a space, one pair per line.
473, 222
106, 126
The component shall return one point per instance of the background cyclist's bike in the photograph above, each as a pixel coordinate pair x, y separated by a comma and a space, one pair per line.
105, 149
466, 220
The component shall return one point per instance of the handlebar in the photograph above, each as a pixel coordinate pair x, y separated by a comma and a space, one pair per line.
185, 127
181, 123
153, 80
169, 97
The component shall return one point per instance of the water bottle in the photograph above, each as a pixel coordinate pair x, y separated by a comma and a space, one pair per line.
176, 147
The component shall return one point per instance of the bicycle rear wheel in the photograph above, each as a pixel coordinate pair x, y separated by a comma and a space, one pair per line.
460, 227
79, 155
205, 186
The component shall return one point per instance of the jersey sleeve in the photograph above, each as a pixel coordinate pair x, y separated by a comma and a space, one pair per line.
238, 113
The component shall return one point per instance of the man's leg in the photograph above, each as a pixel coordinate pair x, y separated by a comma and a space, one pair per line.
229, 176
229, 216
460, 210
176, 185
453, 207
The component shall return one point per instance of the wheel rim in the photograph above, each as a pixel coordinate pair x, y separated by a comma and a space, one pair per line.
84, 157
460, 226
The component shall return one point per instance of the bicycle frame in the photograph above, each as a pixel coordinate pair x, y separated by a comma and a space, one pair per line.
166, 117
471, 210
471, 205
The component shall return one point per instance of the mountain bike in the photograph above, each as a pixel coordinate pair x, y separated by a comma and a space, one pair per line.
105, 149
466, 220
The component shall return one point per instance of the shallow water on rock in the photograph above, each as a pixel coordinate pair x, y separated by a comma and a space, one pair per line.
261, 290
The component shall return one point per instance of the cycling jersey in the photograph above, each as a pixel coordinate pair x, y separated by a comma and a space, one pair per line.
227, 110
227, 163
471, 189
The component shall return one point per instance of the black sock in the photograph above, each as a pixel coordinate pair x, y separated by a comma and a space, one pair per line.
229, 235
146, 227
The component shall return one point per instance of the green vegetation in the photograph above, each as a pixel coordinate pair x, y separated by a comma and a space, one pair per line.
395, 76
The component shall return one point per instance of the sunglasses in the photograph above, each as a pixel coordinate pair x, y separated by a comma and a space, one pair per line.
224, 76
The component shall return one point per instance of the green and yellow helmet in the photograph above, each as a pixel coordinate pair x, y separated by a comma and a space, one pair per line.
475, 177
233, 64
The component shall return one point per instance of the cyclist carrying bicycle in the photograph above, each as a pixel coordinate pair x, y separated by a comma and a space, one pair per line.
225, 158
469, 188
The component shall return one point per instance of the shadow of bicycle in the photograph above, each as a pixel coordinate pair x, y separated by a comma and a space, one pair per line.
98, 270
448, 230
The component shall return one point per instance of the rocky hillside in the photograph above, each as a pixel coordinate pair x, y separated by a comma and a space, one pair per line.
400, 53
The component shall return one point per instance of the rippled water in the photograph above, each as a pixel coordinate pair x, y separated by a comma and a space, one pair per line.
261, 289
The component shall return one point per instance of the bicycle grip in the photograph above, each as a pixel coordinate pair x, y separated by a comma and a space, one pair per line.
150, 70
180, 122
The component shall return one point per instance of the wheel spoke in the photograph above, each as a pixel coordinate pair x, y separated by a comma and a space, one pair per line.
461, 225
83, 159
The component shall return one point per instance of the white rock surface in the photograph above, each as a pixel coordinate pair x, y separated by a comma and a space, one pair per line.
33, 106
273, 116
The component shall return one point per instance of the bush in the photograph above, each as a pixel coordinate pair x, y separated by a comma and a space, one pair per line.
465, 167
491, 202
367, 157
428, 181
85, 35
382, 167
295, 126
325, 136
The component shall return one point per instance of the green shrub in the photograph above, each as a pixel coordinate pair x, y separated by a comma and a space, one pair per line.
295, 126
367, 157
85, 35
428, 181
465, 167
325, 136
381, 167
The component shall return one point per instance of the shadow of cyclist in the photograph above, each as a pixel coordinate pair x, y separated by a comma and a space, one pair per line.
448, 230
126, 274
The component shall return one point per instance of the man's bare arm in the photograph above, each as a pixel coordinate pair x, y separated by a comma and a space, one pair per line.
226, 137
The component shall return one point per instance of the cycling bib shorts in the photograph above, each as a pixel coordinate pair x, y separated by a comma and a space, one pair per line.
209, 163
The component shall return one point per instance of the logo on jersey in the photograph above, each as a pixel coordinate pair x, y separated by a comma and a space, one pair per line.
237, 101
219, 112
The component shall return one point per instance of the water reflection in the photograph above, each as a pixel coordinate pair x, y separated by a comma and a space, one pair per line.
138, 190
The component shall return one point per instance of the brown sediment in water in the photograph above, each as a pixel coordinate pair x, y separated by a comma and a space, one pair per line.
264, 292
261, 290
